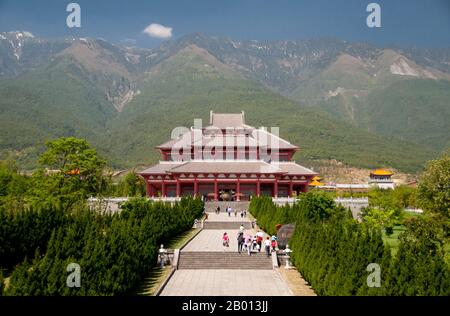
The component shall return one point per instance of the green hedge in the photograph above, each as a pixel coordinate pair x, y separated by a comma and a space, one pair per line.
21, 233
114, 251
332, 250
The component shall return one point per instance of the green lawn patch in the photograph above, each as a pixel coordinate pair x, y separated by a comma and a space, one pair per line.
158, 275
392, 240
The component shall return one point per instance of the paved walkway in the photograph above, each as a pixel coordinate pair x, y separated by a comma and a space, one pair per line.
211, 240
226, 283
210, 282
223, 217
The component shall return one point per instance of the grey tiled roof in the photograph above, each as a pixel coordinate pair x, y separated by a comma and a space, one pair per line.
224, 120
257, 137
224, 166
162, 167
294, 168
236, 166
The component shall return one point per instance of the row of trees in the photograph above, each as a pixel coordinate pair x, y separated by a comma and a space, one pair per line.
45, 225
333, 251
433, 195
22, 232
129, 185
70, 170
114, 251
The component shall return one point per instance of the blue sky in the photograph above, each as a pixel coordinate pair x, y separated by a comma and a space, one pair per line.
424, 23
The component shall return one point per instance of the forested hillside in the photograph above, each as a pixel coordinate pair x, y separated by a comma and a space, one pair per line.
355, 103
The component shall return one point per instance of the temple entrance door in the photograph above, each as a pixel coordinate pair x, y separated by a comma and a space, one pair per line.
227, 191
206, 190
298, 188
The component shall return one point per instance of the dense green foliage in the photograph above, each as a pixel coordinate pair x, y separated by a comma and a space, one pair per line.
414, 110
78, 169
386, 207
70, 171
129, 185
22, 232
52, 101
419, 267
332, 250
114, 251
400, 197
45, 225
434, 187
393, 106
13, 186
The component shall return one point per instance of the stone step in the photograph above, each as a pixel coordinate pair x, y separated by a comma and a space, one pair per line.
224, 260
240, 206
226, 225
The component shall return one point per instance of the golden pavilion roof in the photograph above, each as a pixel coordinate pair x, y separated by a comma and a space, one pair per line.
315, 183
381, 172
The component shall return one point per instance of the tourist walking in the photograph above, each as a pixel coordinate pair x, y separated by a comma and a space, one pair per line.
255, 243
241, 228
267, 246
245, 213
242, 214
240, 240
248, 244
259, 239
225, 241
229, 211
235, 212
274, 243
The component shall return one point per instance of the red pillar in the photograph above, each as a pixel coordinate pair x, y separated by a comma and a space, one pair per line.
163, 189
258, 187
150, 191
238, 190
195, 187
275, 188
178, 188
148, 187
290, 189
216, 196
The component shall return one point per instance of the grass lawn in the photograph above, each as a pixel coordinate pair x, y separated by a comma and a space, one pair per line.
156, 275
153, 281
392, 241
181, 240
408, 215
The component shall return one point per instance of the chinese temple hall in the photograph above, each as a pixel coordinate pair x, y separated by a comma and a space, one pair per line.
227, 160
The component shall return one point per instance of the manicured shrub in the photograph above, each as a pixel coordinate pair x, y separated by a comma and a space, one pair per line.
332, 250
114, 251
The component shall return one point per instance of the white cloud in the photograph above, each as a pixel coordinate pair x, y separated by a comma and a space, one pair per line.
158, 30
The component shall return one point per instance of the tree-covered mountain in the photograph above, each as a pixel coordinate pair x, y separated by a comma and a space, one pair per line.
355, 103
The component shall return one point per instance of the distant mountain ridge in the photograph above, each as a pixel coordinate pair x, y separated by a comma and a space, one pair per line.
126, 99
